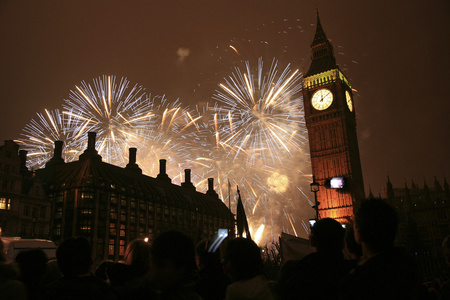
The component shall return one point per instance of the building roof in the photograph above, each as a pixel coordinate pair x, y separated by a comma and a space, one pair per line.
91, 173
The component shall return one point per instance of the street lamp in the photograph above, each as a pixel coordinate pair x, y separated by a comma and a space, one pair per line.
315, 188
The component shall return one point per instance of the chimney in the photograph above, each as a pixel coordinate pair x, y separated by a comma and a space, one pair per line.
90, 151
57, 155
23, 161
187, 180
132, 161
211, 191
132, 156
91, 140
162, 171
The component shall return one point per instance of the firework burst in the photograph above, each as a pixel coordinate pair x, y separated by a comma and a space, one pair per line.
120, 116
260, 135
176, 134
38, 137
261, 113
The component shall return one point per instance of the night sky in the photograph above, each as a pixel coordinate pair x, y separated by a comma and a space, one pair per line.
395, 54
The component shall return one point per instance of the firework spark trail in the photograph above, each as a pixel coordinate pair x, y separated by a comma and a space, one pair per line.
306, 228
303, 193
235, 50
38, 138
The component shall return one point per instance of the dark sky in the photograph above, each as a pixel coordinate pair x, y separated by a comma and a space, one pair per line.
395, 53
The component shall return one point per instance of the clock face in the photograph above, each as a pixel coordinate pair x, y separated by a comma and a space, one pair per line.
322, 99
349, 100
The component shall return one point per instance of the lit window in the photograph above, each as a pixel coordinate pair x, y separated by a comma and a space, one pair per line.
5, 203
86, 195
57, 229
122, 229
85, 228
113, 215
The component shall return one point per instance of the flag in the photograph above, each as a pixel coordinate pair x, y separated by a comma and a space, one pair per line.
241, 219
293, 248
229, 196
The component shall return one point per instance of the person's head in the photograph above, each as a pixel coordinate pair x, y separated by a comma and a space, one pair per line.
327, 235
241, 258
173, 259
74, 257
376, 225
32, 263
137, 255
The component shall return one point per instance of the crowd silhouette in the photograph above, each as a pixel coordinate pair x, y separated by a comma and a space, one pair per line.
359, 262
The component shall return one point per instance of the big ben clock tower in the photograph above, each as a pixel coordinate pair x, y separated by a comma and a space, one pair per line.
331, 123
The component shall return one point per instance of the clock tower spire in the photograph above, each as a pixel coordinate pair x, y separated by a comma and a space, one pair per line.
331, 123
322, 52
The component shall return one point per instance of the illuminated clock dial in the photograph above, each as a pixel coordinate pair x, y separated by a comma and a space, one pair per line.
322, 99
349, 100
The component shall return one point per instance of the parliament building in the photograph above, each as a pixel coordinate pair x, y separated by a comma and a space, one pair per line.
112, 206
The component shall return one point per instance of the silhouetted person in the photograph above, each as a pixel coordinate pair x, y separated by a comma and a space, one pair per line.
74, 261
32, 264
444, 292
10, 287
130, 280
212, 282
384, 272
242, 261
317, 275
172, 267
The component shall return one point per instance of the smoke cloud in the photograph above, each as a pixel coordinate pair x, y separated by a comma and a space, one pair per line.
182, 53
